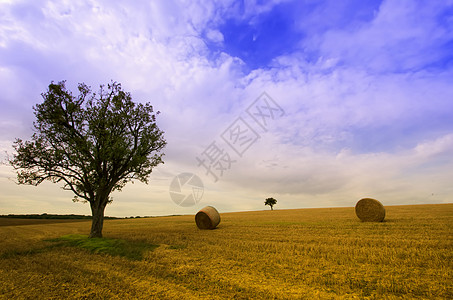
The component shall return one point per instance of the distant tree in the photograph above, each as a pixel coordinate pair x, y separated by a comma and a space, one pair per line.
93, 143
271, 202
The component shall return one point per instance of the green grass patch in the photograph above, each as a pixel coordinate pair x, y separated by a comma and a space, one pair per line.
177, 247
133, 250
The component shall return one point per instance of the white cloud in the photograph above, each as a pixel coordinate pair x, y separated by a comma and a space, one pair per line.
442, 146
215, 36
335, 105
403, 36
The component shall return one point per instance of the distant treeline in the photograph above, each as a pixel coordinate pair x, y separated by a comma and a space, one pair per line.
71, 216
51, 216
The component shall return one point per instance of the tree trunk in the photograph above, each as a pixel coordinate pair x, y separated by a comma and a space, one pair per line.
272, 208
97, 212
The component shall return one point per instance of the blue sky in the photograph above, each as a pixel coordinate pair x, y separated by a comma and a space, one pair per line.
364, 89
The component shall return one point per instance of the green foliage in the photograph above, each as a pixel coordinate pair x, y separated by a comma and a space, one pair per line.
131, 250
271, 202
90, 142
93, 143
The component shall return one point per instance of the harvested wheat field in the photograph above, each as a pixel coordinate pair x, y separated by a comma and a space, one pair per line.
283, 254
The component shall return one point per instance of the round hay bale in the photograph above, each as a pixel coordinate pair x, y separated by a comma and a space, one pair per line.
370, 210
207, 218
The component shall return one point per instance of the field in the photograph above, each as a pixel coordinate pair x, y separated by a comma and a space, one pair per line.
282, 254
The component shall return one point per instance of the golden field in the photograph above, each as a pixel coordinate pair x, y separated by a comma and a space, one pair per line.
282, 254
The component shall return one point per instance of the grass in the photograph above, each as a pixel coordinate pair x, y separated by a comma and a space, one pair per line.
133, 250
116, 247
281, 254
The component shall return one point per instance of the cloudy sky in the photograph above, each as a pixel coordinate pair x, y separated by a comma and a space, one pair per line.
314, 103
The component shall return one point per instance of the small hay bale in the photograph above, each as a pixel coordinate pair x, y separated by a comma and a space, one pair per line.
207, 218
370, 210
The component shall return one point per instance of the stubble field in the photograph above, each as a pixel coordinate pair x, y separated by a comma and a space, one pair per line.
283, 254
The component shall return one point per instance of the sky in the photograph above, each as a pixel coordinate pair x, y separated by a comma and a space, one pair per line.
313, 103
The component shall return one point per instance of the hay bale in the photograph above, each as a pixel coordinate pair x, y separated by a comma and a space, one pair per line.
207, 218
370, 210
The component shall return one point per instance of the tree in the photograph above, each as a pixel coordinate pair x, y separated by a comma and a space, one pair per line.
93, 144
271, 202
